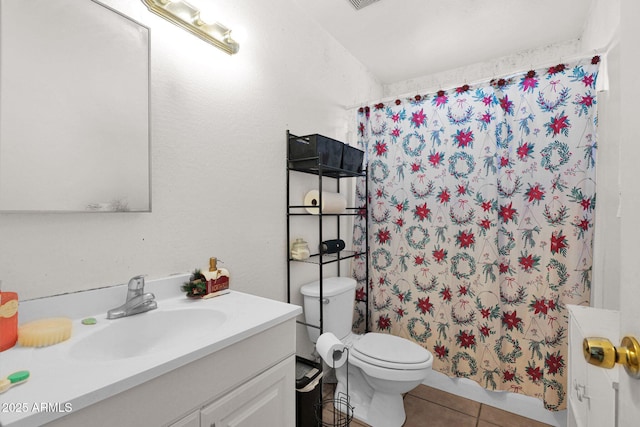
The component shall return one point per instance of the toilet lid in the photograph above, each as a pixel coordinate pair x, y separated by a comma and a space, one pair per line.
390, 349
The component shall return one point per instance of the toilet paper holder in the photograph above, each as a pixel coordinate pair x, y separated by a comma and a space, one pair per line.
337, 355
337, 410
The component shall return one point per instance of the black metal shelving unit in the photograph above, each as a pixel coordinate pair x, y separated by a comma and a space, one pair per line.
321, 259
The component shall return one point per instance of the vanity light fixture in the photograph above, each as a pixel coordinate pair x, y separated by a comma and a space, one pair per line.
187, 17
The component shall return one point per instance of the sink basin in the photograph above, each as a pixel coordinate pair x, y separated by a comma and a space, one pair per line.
146, 333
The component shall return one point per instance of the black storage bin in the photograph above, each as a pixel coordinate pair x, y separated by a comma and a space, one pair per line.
352, 159
308, 393
303, 150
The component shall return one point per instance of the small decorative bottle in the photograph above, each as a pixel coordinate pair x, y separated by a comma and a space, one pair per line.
217, 279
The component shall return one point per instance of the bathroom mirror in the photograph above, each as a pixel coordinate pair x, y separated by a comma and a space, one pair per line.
74, 108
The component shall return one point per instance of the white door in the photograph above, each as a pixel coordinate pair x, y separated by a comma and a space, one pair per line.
629, 388
591, 391
599, 396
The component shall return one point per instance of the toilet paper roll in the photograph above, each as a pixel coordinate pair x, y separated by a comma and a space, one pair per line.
331, 350
331, 202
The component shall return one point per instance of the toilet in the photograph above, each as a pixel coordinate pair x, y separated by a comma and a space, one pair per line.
380, 367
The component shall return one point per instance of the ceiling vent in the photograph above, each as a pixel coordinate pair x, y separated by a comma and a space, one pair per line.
359, 4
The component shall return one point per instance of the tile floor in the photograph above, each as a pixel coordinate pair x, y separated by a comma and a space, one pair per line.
443, 409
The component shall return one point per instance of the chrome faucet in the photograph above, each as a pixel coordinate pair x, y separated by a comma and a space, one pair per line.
137, 301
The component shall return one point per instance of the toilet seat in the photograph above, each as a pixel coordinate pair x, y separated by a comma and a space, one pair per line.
390, 352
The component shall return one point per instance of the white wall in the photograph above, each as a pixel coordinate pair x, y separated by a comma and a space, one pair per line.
602, 32
218, 158
486, 70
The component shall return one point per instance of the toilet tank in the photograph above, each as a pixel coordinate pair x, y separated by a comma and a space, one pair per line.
338, 294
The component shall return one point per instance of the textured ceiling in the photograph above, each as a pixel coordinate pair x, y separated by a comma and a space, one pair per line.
403, 39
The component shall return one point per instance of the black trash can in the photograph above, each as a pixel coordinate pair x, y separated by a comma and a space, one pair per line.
308, 392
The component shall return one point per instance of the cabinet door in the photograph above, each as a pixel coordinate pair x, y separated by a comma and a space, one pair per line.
191, 420
268, 399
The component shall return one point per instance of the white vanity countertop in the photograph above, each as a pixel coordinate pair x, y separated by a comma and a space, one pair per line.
59, 383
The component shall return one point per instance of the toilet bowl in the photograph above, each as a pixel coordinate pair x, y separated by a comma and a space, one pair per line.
380, 367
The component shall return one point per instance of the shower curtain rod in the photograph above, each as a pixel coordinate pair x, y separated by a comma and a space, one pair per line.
601, 52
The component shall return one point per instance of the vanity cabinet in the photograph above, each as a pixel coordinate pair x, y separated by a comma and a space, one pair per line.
249, 383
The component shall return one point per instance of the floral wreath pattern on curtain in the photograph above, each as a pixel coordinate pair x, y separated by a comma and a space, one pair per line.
481, 215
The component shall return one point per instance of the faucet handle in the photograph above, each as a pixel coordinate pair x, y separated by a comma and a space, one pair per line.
137, 282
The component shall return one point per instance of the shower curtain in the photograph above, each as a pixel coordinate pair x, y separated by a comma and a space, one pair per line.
481, 215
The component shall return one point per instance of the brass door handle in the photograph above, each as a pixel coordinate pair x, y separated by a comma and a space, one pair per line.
601, 352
